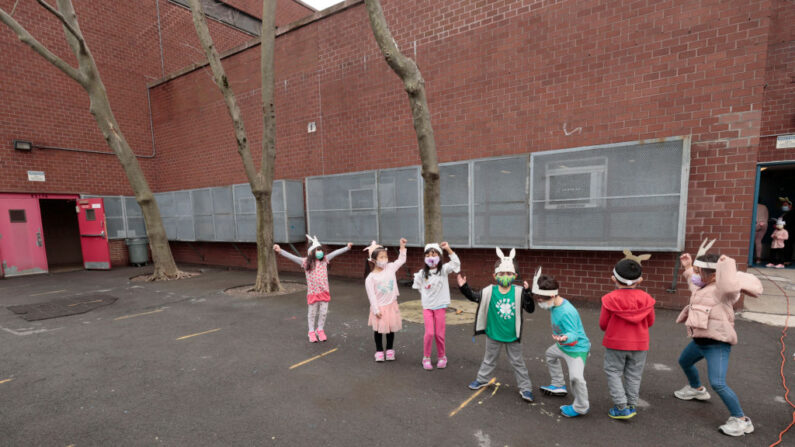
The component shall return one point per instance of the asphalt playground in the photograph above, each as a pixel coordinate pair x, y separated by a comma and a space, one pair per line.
181, 363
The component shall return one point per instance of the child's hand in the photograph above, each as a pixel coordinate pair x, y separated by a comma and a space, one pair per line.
526, 285
276, 248
445, 246
560, 338
686, 261
461, 280
350, 244
403, 242
378, 314
723, 258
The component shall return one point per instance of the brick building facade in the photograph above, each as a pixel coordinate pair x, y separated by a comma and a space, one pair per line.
503, 78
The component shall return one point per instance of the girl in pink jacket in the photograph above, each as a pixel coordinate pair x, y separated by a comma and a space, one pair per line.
777, 246
715, 285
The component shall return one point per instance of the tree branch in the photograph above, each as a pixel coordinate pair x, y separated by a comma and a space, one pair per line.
29, 40
66, 24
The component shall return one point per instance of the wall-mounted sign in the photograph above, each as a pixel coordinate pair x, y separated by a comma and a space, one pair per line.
785, 142
35, 176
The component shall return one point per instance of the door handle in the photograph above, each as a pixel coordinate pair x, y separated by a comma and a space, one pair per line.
102, 234
38, 239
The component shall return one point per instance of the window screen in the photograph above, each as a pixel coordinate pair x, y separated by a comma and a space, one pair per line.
500, 202
245, 213
223, 213
203, 214
399, 205
296, 220
343, 208
134, 217
454, 180
610, 197
279, 213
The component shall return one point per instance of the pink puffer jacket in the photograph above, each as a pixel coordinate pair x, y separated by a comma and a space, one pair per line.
710, 313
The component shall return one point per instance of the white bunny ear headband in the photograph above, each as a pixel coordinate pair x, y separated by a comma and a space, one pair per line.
702, 250
506, 262
314, 243
371, 248
536, 290
637, 258
780, 221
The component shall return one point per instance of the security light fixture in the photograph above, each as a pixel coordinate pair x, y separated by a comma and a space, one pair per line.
20, 145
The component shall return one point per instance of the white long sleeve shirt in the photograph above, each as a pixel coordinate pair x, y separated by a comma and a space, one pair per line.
435, 290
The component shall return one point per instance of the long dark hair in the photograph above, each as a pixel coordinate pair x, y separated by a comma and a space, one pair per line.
309, 265
373, 256
426, 271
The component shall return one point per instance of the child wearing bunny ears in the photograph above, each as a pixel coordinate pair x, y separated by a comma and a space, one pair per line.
315, 265
571, 345
382, 291
627, 313
499, 316
434, 289
780, 236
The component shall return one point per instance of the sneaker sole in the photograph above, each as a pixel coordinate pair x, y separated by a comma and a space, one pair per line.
630, 416
699, 397
742, 433
477, 388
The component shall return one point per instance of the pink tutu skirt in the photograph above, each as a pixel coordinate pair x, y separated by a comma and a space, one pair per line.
390, 320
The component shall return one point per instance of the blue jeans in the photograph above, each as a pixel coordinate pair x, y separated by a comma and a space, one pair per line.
717, 356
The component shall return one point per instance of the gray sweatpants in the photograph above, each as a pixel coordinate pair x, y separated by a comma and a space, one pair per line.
514, 351
624, 370
317, 309
576, 367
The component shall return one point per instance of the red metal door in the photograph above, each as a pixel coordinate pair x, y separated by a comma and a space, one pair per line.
93, 234
21, 242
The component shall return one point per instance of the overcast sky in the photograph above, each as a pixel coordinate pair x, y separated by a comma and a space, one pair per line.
321, 4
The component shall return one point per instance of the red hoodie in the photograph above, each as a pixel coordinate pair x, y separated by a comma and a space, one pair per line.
627, 315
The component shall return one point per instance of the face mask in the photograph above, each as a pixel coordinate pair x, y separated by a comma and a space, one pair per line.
504, 281
785, 208
381, 264
697, 281
545, 305
432, 261
319, 254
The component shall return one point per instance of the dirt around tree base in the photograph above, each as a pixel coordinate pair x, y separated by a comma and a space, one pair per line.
459, 312
245, 291
147, 277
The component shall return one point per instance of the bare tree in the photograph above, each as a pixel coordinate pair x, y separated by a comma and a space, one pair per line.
261, 181
414, 85
87, 75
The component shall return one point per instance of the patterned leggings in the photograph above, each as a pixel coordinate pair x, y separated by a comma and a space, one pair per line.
319, 309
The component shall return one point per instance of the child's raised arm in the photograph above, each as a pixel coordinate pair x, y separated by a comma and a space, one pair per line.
338, 252
454, 264
290, 256
401, 257
467, 291
726, 281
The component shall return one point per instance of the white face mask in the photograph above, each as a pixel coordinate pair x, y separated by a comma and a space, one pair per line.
546, 305
381, 264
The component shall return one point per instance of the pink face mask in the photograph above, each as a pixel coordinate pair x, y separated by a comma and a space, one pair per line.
381, 264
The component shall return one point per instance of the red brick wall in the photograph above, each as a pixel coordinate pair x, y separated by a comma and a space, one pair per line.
504, 78
119, 256
43, 105
778, 112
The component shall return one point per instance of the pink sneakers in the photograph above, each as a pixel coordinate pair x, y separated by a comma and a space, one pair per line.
390, 354
379, 356
426, 363
312, 337
442, 363
321, 336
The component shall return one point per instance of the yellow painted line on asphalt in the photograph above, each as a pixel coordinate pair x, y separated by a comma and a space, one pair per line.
200, 333
4, 381
138, 315
313, 358
477, 393
84, 302
48, 293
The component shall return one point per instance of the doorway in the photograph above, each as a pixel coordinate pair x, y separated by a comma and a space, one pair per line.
775, 193
62, 234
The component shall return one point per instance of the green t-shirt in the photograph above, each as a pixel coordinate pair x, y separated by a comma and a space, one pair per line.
501, 319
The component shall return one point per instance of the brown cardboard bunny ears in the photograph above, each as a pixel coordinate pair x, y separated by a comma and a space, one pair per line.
637, 258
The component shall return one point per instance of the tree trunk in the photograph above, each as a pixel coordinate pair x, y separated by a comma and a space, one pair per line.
261, 182
414, 85
87, 75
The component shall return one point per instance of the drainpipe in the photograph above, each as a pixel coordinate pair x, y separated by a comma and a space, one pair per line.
676, 274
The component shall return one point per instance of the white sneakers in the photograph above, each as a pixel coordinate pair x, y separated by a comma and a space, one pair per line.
737, 426
690, 393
